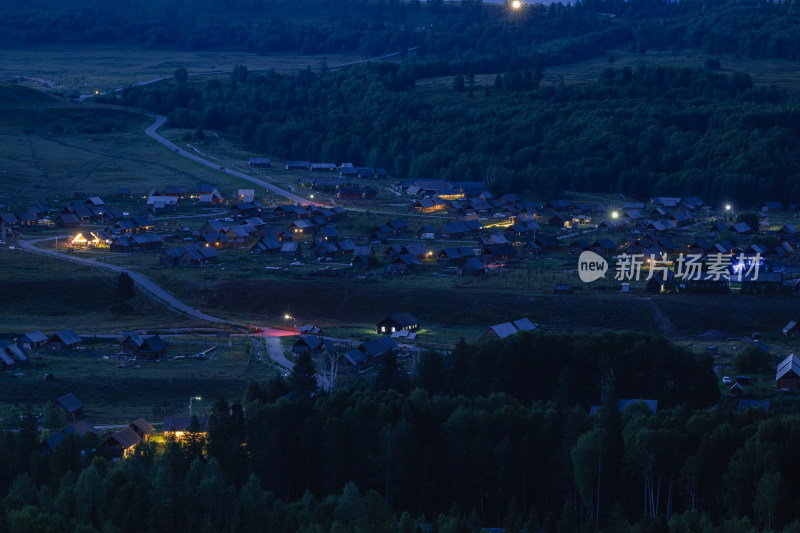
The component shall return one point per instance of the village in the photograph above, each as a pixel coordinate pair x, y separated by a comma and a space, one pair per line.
438, 228
459, 233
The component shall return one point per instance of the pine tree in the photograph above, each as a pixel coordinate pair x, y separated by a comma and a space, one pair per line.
386, 376
303, 378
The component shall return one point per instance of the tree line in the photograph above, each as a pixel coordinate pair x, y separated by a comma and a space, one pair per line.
445, 30
455, 445
641, 132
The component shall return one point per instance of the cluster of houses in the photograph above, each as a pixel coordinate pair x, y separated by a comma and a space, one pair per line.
343, 188
92, 210
345, 170
392, 328
206, 195
14, 352
121, 443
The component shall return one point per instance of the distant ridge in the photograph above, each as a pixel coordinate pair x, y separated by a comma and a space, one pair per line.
12, 95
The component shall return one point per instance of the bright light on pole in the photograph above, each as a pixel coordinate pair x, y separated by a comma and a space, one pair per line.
294, 322
614, 214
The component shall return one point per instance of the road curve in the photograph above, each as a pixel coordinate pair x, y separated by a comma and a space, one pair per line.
142, 281
160, 120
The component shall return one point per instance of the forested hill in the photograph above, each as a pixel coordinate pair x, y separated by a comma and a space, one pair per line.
640, 132
450, 30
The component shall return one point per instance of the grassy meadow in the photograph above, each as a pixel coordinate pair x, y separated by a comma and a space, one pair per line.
114, 390
50, 154
40, 293
85, 69
781, 73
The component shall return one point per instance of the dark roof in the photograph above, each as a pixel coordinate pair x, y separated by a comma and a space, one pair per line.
378, 347
401, 319
52, 440
311, 341
182, 423
5, 358
741, 227
67, 336
473, 264
133, 337
747, 404
355, 357
140, 425
146, 238
69, 403
155, 343
34, 337
81, 427
125, 437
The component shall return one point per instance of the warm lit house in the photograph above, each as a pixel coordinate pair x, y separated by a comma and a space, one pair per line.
176, 427
396, 322
120, 444
142, 428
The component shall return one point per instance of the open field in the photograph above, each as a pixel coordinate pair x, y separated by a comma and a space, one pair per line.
114, 390
85, 69
778, 72
48, 155
39, 293
452, 306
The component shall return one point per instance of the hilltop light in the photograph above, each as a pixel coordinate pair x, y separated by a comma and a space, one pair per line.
516, 4
614, 214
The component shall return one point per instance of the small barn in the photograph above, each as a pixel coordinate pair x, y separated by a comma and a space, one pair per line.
142, 428
120, 444
35, 339
506, 329
473, 266
788, 373
351, 361
312, 344
70, 404
63, 341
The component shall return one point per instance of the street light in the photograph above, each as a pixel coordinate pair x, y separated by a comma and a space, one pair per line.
198, 398
294, 320
614, 214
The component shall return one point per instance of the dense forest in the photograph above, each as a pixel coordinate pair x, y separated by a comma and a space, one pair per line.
458, 444
641, 132
467, 28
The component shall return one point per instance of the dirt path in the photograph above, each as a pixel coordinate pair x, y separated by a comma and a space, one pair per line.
663, 322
